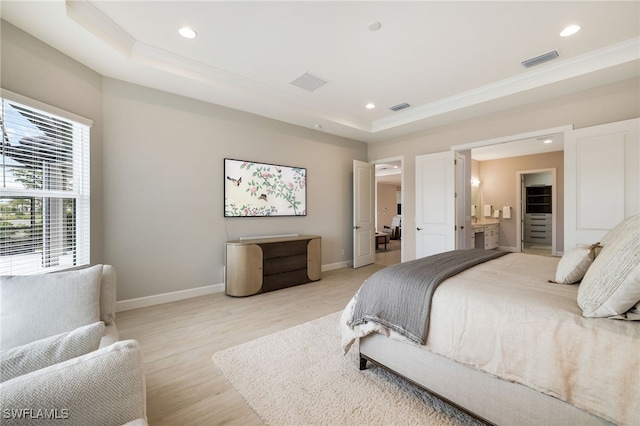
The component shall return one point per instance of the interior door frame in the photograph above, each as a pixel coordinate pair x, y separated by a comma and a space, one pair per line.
402, 192
463, 199
513, 138
520, 211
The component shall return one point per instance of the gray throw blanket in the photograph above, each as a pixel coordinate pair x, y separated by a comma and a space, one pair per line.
399, 296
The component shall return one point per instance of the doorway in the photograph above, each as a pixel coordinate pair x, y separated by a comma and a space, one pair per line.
495, 169
388, 206
537, 211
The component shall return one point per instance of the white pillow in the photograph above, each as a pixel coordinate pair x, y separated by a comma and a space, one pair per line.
33, 307
632, 314
628, 225
611, 286
573, 265
42, 353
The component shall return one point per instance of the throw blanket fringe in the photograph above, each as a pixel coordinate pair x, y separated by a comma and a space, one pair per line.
399, 296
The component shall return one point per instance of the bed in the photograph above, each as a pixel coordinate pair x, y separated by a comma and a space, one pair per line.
512, 340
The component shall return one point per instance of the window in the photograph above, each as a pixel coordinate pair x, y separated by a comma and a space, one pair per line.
44, 187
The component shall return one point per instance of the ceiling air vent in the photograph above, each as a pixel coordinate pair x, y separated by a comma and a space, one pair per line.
400, 106
309, 82
540, 59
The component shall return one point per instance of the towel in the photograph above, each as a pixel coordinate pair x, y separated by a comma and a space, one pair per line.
506, 212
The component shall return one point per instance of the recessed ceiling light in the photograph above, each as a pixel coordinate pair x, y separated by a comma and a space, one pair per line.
370, 105
187, 32
570, 30
547, 141
375, 26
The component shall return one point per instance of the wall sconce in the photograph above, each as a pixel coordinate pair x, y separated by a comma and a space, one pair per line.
475, 182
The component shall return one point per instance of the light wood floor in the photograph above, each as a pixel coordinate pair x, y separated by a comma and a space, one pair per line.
184, 387
540, 250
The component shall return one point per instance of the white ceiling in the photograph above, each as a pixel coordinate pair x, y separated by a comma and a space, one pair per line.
449, 60
389, 173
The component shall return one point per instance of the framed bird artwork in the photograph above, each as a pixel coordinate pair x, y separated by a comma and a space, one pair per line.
254, 189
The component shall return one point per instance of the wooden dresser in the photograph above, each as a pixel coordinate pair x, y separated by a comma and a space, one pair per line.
259, 265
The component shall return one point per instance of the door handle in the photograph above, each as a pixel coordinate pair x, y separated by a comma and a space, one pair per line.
419, 229
356, 227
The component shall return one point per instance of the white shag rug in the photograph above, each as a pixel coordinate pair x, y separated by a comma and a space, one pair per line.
299, 376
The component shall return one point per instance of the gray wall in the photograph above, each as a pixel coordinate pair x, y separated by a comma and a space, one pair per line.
163, 186
156, 171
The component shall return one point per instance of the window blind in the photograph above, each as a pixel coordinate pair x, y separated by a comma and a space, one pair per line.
44, 190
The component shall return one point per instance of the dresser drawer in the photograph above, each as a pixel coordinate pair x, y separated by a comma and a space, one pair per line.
536, 227
537, 233
530, 218
541, 237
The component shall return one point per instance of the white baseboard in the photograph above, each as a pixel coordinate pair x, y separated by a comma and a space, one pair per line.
332, 266
515, 250
157, 299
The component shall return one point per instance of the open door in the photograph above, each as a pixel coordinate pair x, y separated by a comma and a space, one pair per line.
364, 250
435, 203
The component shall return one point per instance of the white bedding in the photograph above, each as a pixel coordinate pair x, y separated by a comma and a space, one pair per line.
504, 318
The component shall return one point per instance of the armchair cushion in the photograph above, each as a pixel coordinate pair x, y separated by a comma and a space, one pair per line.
104, 387
33, 307
42, 353
108, 295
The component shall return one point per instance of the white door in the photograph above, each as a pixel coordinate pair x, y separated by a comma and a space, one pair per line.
435, 203
602, 180
364, 249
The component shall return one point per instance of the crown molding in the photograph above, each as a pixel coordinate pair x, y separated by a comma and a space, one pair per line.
91, 18
283, 105
609, 56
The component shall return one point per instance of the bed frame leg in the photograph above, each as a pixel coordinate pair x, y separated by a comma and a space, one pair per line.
363, 363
